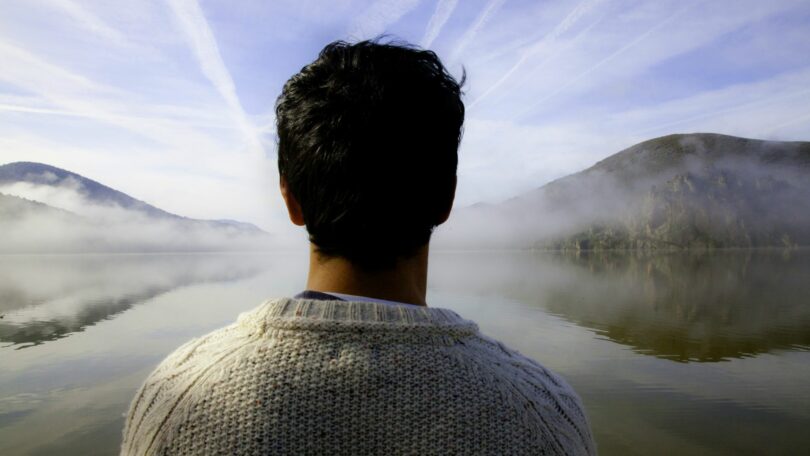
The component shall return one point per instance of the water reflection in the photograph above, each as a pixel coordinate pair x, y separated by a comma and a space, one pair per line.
94, 326
683, 307
576, 314
707, 307
45, 298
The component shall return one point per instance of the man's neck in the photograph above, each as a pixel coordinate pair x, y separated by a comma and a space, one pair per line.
406, 282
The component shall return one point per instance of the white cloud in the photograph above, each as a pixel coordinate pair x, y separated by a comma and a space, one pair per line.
571, 81
379, 16
202, 41
444, 8
71, 94
753, 106
480, 22
88, 20
548, 40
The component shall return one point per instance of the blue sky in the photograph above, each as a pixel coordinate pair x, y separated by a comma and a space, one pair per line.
172, 101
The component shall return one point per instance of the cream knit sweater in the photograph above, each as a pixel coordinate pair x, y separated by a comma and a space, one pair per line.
297, 376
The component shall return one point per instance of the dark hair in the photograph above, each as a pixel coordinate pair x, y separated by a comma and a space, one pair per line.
368, 138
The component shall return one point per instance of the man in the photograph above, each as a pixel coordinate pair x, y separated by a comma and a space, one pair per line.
358, 364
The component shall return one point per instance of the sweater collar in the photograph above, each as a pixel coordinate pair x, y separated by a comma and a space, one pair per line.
332, 296
341, 316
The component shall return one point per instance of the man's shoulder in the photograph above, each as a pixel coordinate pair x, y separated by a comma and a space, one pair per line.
171, 380
515, 364
544, 395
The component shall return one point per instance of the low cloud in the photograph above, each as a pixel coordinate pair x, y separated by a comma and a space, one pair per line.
61, 218
710, 183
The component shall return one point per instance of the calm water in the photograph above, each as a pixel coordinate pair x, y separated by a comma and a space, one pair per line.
672, 354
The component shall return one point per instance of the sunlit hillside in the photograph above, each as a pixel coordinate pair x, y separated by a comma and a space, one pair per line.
673, 192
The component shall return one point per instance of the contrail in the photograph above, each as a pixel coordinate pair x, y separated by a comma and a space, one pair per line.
18, 63
30, 110
75, 95
376, 19
569, 44
88, 19
607, 59
122, 119
444, 8
572, 18
204, 44
469, 35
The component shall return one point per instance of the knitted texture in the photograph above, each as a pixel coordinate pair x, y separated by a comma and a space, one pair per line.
297, 376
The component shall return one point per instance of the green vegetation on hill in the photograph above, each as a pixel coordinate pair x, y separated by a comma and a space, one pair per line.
717, 210
725, 192
14, 208
686, 191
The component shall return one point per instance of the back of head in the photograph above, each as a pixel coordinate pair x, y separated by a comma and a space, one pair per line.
368, 139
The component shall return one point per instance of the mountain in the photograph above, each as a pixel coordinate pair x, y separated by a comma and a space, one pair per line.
95, 193
685, 191
48, 209
13, 207
679, 191
40, 174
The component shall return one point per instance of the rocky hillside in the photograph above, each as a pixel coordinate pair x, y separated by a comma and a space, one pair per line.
673, 192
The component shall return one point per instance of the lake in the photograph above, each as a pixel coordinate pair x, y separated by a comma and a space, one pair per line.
699, 354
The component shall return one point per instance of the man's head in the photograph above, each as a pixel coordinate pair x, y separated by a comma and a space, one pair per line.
368, 139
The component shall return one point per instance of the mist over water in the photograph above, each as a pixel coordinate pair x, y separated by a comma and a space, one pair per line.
60, 217
659, 346
693, 191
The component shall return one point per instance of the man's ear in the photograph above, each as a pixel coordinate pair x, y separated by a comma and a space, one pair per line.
446, 213
293, 208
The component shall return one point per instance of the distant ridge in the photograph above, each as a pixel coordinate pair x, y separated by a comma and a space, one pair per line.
700, 190
101, 219
95, 192
661, 158
42, 174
